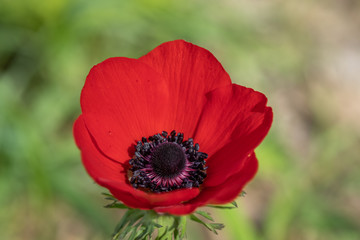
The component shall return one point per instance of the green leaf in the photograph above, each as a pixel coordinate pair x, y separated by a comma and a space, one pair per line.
182, 227
211, 226
217, 226
133, 234
205, 215
143, 233
228, 206
109, 196
141, 224
157, 225
164, 234
242, 194
116, 205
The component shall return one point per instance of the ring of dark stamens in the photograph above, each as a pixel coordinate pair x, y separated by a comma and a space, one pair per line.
167, 157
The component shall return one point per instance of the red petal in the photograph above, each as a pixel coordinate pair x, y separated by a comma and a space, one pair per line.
119, 189
191, 72
181, 209
226, 109
234, 121
230, 189
96, 164
227, 161
122, 101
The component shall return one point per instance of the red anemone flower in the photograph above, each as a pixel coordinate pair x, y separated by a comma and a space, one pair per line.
128, 105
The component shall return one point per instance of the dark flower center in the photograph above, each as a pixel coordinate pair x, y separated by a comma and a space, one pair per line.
168, 159
163, 163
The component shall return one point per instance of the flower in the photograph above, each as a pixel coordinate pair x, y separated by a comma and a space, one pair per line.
177, 86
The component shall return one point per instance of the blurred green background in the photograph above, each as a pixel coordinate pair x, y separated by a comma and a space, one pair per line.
304, 55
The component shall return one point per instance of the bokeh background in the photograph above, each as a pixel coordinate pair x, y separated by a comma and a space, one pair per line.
304, 55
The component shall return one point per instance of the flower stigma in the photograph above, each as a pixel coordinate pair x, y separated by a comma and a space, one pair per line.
164, 163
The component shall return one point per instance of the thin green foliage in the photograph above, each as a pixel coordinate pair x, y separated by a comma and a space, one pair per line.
211, 226
115, 203
139, 224
231, 205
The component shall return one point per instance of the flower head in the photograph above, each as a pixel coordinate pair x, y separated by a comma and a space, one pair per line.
169, 131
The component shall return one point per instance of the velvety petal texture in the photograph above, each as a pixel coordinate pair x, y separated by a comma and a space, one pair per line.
191, 72
123, 99
177, 86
